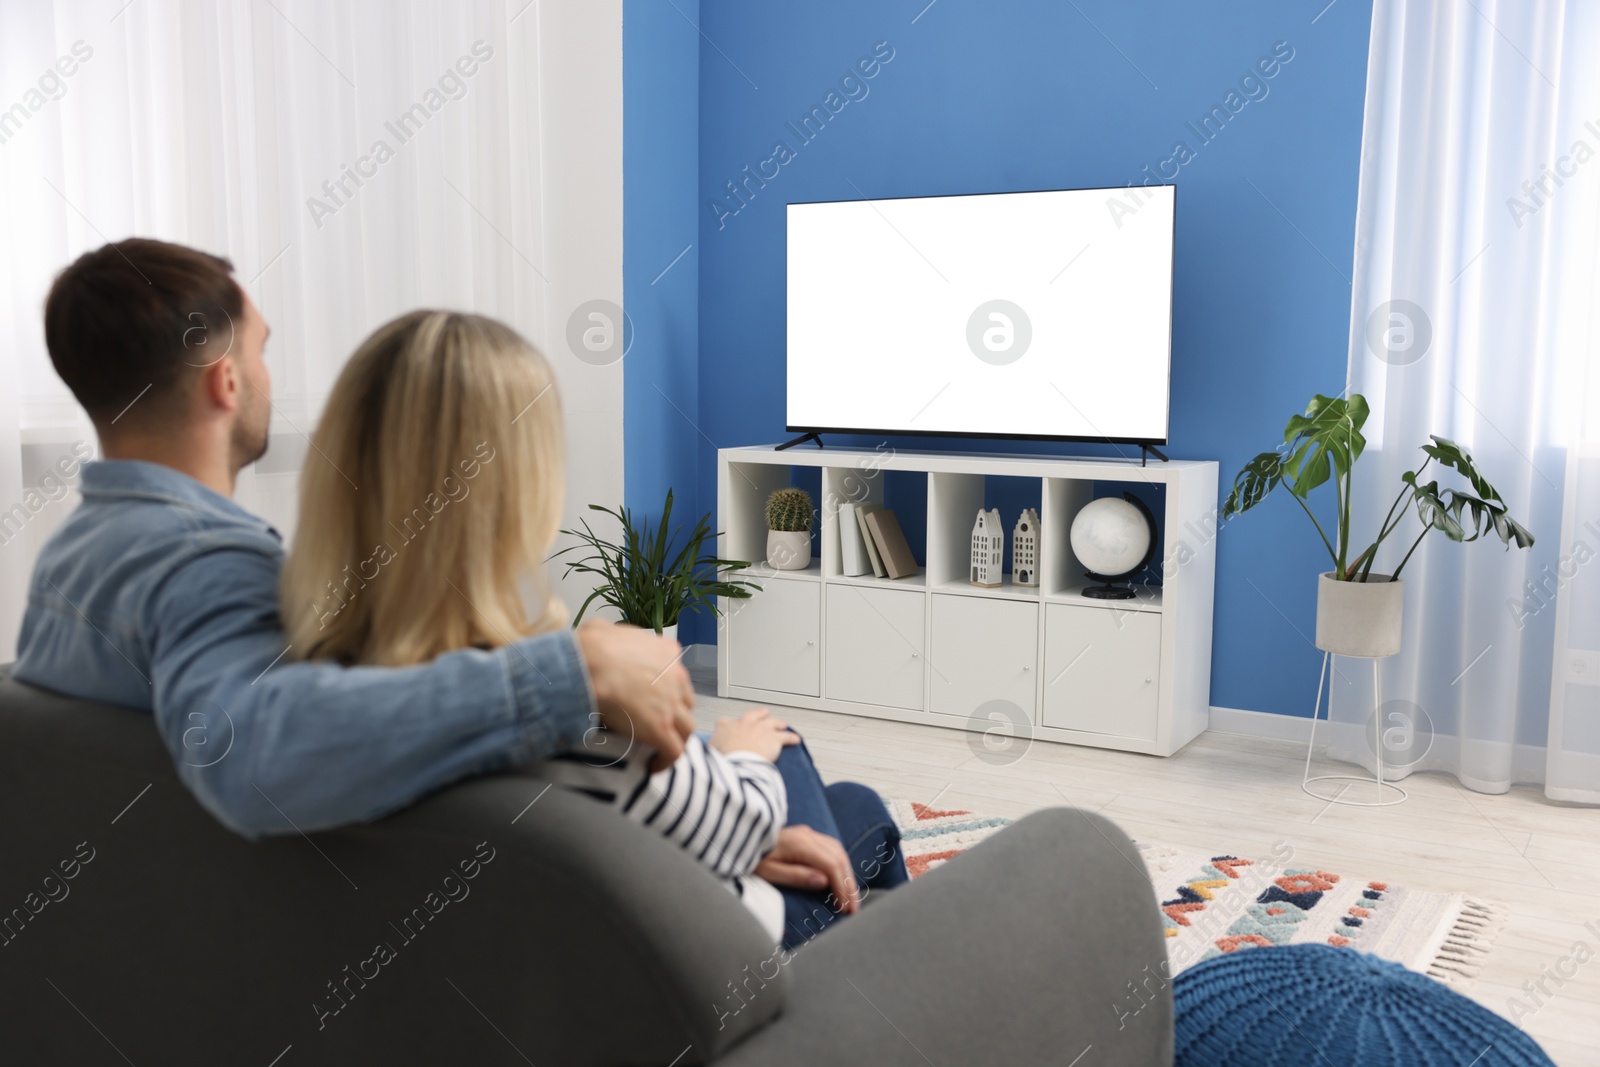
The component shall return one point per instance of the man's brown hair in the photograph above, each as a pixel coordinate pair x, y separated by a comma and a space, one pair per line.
130, 320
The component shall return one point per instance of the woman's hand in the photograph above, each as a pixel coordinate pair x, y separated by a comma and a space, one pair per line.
755, 731
805, 858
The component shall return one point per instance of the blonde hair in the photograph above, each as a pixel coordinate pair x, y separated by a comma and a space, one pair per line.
432, 491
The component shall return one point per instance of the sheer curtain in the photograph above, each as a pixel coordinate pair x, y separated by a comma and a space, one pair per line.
353, 159
1477, 237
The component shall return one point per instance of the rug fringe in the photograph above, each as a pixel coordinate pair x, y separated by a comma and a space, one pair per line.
1460, 956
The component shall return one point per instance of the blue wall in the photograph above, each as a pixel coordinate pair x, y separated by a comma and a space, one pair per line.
1009, 95
660, 218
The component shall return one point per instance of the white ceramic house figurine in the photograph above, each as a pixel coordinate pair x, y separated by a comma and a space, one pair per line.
988, 548
1025, 549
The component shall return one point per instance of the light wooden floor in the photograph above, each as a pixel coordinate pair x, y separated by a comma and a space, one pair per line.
1227, 791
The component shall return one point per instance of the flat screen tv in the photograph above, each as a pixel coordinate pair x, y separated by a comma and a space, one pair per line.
1040, 315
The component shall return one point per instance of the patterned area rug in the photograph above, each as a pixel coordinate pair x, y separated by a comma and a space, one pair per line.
1222, 903
929, 836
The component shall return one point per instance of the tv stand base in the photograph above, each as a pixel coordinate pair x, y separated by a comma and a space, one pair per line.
802, 439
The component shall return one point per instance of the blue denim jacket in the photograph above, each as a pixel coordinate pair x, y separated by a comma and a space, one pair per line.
160, 594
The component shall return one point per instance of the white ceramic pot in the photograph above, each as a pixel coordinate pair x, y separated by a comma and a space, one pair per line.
789, 550
1359, 618
670, 631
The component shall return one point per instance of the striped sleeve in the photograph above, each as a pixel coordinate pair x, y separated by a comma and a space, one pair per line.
725, 809
608, 779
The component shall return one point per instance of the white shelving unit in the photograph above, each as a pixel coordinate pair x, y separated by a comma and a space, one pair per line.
933, 648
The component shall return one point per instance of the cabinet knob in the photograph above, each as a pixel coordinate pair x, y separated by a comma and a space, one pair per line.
1147, 681
916, 655
813, 642
1027, 666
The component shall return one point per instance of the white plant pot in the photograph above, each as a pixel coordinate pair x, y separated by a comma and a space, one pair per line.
1359, 618
670, 631
789, 550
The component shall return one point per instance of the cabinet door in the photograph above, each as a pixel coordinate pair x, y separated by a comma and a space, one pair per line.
982, 650
875, 646
772, 638
1102, 670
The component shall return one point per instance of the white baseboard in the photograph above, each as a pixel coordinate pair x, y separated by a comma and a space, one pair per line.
698, 656
1527, 761
1260, 724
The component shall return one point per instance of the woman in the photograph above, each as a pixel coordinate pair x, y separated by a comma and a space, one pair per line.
450, 425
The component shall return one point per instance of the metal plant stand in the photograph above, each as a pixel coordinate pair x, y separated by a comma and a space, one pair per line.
1377, 745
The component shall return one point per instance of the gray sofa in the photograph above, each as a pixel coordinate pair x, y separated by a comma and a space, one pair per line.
474, 929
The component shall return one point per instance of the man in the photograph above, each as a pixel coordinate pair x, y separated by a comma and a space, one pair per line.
160, 593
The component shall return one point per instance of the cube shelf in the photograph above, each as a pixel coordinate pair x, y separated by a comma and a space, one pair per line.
934, 647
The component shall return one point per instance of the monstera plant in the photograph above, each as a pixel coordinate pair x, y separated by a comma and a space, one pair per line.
1358, 612
1323, 445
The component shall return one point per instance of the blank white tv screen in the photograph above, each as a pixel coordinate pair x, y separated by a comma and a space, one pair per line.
1035, 315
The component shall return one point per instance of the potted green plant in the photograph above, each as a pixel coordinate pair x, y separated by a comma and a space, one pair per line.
642, 576
1359, 612
789, 529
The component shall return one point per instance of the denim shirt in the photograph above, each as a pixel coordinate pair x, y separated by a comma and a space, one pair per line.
162, 595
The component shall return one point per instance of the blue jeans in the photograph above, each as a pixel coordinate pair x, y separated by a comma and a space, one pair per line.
854, 816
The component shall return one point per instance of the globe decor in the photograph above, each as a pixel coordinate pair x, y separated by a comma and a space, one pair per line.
1115, 538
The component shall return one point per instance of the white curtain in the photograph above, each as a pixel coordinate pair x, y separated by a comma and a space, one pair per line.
1477, 240
353, 158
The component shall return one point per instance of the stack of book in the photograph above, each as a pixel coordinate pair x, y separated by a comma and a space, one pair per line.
872, 542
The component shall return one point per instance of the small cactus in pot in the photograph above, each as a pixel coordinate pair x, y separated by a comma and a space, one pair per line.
789, 529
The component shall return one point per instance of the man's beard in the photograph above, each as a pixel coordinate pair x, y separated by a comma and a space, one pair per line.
250, 442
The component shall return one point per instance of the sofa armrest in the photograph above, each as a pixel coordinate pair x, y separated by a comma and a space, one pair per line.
1027, 949
494, 922
628, 945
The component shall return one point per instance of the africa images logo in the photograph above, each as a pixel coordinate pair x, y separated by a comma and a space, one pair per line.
999, 332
